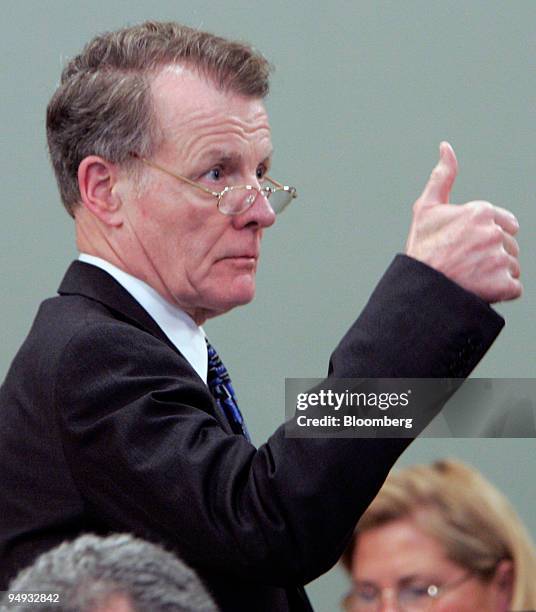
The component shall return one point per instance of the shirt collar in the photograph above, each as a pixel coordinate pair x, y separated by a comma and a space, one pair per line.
180, 328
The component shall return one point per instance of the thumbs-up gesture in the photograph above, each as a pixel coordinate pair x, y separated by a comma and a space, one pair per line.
473, 243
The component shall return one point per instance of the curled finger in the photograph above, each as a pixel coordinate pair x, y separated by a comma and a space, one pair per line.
510, 245
505, 219
514, 267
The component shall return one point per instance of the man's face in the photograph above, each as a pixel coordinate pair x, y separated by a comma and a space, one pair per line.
179, 243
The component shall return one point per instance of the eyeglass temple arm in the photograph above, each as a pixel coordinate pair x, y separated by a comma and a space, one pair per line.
217, 194
291, 190
178, 176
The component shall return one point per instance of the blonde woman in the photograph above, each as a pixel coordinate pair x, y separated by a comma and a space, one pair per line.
440, 538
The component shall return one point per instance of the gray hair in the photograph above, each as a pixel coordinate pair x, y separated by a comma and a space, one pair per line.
90, 572
103, 104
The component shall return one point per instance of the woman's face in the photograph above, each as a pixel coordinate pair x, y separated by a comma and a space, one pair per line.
396, 566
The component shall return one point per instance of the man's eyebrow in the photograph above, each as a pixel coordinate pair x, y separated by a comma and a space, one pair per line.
221, 155
229, 157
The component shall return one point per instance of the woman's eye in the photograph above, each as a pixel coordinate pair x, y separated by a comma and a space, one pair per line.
418, 591
261, 172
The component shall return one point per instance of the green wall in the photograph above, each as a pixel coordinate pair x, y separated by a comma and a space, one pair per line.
362, 94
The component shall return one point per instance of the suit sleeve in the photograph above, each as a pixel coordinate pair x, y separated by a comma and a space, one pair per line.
149, 456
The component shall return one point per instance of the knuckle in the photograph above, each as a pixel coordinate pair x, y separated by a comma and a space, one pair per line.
419, 209
515, 268
438, 174
500, 259
511, 246
514, 247
481, 209
495, 235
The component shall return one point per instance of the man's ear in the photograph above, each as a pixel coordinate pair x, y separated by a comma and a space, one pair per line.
97, 179
503, 581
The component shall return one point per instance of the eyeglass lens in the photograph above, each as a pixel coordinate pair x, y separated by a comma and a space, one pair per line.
410, 599
238, 199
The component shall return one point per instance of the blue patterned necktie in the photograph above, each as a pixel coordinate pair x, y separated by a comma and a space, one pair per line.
219, 384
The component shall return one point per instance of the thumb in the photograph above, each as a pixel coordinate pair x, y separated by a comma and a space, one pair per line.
438, 188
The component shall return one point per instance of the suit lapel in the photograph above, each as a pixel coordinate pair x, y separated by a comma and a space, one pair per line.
94, 283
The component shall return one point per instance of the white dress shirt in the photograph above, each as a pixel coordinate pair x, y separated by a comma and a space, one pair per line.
180, 328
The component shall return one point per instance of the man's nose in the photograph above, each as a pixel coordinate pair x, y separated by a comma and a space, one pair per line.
259, 214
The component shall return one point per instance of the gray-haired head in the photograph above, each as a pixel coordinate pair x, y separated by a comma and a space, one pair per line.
103, 104
119, 572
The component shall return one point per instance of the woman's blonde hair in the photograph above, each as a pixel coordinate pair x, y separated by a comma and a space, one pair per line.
457, 506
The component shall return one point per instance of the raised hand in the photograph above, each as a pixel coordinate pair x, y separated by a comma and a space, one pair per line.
473, 243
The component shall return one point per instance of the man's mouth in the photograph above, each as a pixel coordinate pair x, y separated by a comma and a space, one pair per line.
248, 256
246, 260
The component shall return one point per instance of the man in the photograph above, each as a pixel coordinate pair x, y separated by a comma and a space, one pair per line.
115, 414
114, 574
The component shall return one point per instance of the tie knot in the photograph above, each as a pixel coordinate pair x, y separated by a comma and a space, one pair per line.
217, 373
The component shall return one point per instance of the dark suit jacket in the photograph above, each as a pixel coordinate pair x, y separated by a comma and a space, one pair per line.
105, 427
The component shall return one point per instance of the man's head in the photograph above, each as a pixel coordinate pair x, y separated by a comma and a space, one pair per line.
189, 102
104, 106
114, 574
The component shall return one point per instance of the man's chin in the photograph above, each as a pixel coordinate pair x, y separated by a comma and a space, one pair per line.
224, 304
241, 298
